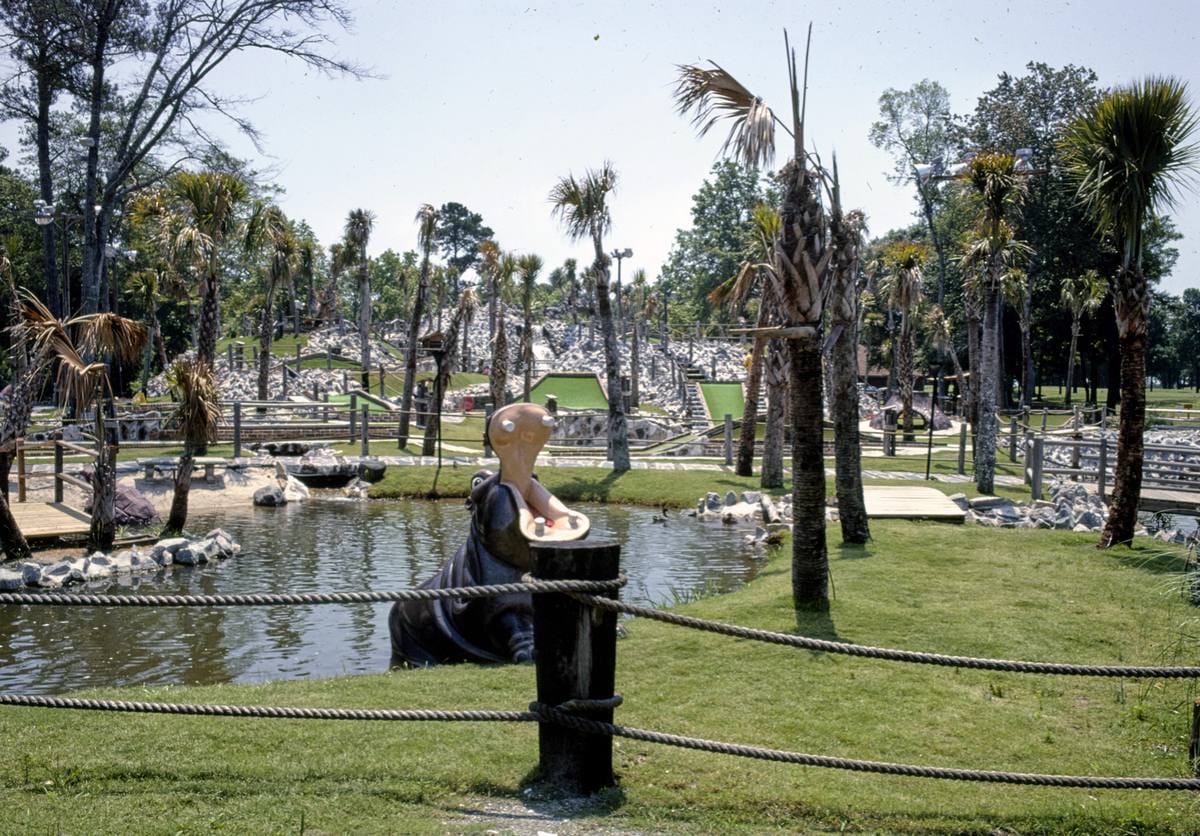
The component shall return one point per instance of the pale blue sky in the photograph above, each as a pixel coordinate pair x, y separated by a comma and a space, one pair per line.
488, 103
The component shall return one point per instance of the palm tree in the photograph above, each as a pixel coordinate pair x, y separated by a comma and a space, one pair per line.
194, 216
109, 338
1081, 294
1127, 157
902, 290
489, 264
582, 205
146, 286
269, 227
499, 369
196, 416
845, 233
776, 374
942, 335
997, 251
359, 224
529, 266
427, 219
471, 306
801, 259
327, 304
765, 224
1018, 290
445, 365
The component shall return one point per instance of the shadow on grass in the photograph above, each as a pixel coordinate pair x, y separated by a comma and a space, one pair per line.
816, 622
854, 551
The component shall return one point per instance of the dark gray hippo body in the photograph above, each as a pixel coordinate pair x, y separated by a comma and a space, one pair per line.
481, 630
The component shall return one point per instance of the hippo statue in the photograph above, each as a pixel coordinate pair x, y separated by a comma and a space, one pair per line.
509, 510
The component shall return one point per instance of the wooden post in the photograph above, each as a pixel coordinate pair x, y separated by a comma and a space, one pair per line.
1102, 475
576, 653
1012, 439
728, 439
353, 418
366, 429
297, 358
325, 409
382, 391
283, 373
229, 355
328, 361
58, 472
1036, 451
1104, 417
316, 391
1194, 743
1045, 417
962, 448
345, 381
237, 429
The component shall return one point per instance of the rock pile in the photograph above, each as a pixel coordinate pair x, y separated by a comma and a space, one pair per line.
215, 546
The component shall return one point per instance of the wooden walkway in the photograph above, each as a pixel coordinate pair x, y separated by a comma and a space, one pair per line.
910, 503
48, 520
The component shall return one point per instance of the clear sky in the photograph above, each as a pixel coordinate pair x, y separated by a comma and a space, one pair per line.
487, 103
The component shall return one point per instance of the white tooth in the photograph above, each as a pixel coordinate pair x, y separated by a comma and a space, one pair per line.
574, 520
507, 425
548, 420
539, 526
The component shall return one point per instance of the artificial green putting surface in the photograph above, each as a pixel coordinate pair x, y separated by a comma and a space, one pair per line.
573, 392
722, 399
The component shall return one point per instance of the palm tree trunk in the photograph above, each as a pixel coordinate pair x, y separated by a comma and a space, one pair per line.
499, 376
1071, 359
466, 343
776, 375
410, 354
985, 437
618, 430
206, 348
852, 509
295, 302
810, 559
364, 320
266, 334
749, 428
904, 364
177, 519
103, 530
1127, 477
15, 546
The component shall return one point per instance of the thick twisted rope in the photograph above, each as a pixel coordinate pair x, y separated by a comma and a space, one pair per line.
304, 598
266, 711
890, 654
582, 724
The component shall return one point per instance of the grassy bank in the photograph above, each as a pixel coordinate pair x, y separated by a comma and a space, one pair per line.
1027, 594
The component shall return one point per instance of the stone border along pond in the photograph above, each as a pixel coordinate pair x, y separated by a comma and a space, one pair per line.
181, 551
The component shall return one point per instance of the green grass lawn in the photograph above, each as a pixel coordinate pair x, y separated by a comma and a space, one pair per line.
285, 346
573, 392
1015, 594
723, 399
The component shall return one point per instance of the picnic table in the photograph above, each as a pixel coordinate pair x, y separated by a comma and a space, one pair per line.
170, 465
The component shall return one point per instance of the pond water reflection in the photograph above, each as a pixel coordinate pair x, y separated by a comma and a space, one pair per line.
328, 544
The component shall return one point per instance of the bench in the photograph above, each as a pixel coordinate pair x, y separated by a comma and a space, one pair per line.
153, 467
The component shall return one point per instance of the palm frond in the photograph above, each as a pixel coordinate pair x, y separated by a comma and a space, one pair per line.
198, 412
427, 219
104, 334
711, 94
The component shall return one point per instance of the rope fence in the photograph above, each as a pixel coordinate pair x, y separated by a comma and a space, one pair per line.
575, 647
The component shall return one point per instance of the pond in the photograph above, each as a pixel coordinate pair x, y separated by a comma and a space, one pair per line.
327, 544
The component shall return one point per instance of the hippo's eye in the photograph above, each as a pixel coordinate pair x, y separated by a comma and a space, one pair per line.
476, 481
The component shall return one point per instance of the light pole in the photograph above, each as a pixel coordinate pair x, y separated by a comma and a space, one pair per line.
619, 255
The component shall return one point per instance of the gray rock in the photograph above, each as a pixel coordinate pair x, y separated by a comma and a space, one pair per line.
122, 561
172, 544
187, 557
984, 503
712, 501
731, 498
751, 496
97, 567
1081, 529
1092, 520
31, 572
269, 496
960, 499
10, 579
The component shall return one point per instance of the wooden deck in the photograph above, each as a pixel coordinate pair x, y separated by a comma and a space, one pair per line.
48, 520
910, 503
